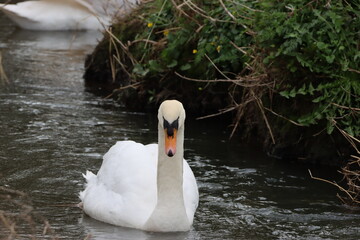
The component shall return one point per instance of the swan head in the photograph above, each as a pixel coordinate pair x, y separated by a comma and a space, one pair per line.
171, 118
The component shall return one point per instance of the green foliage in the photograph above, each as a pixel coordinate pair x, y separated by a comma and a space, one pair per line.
310, 49
318, 42
322, 38
191, 42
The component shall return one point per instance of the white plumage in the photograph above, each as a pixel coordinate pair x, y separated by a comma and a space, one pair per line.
49, 15
140, 186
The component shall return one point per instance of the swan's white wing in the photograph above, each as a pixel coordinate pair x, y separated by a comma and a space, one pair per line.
66, 14
110, 8
124, 190
12, 13
191, 193
128, 163
51, 15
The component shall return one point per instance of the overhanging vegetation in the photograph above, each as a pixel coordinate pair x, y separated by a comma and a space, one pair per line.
287, 71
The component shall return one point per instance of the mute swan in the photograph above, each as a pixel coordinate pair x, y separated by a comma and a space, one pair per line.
148, 187
48, 15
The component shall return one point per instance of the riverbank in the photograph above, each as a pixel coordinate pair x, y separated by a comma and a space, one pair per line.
52, 131
285, 74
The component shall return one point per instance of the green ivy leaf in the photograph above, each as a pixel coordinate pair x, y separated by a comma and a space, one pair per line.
155, 66
185, 67
330, 127
302, 90
140, 70
330, 59
172, 64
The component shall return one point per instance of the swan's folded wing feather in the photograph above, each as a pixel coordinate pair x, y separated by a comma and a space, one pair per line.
124, 190
191, 192
52, 15
110, 7
11, 11
127, 165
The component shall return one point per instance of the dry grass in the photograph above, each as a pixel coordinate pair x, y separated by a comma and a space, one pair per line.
18, 220
255, 83
248, 88
3, 77
351, 175
253, 79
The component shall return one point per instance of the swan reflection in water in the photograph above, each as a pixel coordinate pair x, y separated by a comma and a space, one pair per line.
57, 40
99, 230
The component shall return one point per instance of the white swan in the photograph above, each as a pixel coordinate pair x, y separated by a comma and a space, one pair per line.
149, 187
49, 15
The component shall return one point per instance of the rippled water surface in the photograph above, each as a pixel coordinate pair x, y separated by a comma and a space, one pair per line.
52, 131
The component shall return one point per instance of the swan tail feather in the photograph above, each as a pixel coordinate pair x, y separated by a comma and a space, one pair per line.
90, 178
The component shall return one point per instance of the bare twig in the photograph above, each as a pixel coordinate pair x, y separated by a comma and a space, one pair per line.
123, 46
123, 88
219, 113
226, 10
88, 237
20, 211
351, 173
281, 116
217, 67
353, 70
345, 107
204, 80
46, 227
179, 8
334, 184
241, 49
192, 6
146, 41
351, 139
261, 107
3, 76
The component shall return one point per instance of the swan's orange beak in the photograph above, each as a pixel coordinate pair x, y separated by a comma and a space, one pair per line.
170, 143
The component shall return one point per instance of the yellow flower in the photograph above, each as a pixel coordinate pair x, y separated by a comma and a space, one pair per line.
150, 24
166, 32
218, 48
194, 51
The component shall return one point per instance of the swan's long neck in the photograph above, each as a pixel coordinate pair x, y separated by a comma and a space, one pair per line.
170, 171
169, 213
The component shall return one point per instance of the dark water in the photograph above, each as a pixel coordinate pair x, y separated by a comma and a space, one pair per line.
52, 131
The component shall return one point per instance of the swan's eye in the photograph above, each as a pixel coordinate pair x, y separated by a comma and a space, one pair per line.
170, 127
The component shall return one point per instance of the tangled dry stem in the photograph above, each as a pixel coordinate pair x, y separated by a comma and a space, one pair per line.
254, 80
3, 77
246, 88
351, 175
18, 220
351, 172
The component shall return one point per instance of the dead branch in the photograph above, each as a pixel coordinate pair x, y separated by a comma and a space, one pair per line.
3, 76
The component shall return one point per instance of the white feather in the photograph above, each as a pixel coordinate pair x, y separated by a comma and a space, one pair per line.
49, 15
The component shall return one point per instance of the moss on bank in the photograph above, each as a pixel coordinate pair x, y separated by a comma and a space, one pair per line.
287, 72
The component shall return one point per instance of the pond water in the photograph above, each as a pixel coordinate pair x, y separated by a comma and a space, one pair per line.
52, 131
